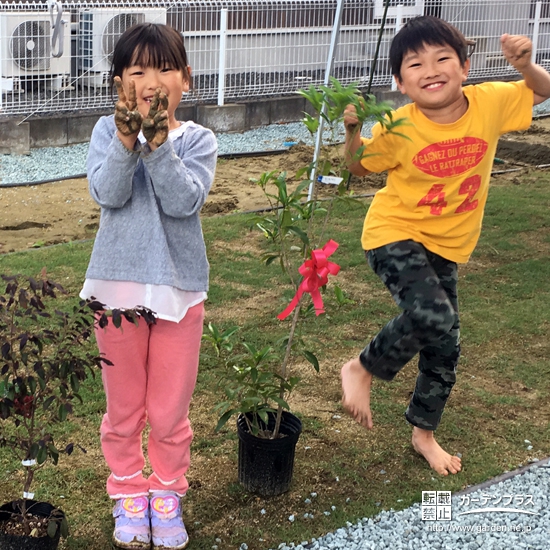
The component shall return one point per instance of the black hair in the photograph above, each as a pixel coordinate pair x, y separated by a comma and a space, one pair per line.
150, 45
426, 29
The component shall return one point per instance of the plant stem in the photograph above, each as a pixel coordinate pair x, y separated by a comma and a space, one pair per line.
284, 366
325, 221
28, 479
25, 521
248, 424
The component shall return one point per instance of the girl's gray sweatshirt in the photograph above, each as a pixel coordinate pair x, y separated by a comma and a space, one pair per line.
150, 230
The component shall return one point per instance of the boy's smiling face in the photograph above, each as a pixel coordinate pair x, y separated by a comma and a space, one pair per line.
432, 77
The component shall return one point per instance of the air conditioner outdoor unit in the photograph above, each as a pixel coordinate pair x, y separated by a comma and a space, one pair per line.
99, 29
26, 52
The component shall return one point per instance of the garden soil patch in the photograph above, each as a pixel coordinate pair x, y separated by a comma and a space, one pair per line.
52, 213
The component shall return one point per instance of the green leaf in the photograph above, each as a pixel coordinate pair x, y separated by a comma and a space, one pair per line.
23, 339
224, 418
75, 382
270, 258
31, 381
254, 375
52, 528
47, 403
229, 332
312, 359
263, 416
213, 329
64, 371
6, 347
282, 403
117, 318
311, 123
42, 455
64, 527
54, 453
293, 380
286, 219
33, 451
62, 413
300, 234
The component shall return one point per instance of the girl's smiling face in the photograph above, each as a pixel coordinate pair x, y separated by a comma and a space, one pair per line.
432, 77
148, 79
151, 57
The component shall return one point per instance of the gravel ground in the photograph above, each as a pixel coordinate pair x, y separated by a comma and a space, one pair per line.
49, 163
512, 511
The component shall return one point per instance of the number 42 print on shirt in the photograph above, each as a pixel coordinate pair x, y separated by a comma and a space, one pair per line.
450, 159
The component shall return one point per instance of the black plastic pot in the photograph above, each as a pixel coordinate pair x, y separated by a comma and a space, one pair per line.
40, 509
266, 465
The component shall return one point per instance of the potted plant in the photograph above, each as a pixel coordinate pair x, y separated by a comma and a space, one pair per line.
43, 361
257, 382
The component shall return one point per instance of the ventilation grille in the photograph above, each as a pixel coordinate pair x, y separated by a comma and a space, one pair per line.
30, 46
115, 27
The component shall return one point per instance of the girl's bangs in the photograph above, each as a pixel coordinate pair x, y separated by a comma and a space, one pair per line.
149, 55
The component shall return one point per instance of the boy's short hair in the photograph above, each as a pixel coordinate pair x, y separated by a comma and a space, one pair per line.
425, 29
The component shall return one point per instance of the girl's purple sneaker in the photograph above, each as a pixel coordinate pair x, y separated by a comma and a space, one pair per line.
132, 526
167, 527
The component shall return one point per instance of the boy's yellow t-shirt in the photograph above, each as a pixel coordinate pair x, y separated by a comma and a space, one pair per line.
438, 179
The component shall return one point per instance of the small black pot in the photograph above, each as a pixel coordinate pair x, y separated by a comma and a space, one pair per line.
266, 465
41, 509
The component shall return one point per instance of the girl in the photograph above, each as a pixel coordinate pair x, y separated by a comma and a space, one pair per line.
150, 174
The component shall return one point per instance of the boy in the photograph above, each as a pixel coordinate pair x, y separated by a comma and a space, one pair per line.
428, 217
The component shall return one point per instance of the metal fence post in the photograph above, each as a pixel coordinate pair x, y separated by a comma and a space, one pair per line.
1, 77
398, 25
328, 71
223, 47
536, 28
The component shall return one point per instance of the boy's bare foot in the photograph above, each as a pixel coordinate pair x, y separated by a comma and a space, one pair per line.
356, 383
442, 462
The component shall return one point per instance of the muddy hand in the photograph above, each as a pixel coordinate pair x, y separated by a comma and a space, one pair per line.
351, 121
127, 117
155, 127
517, 50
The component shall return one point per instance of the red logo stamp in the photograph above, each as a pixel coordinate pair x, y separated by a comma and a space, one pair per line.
451, 157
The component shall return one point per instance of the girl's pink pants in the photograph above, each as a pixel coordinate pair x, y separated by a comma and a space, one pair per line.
151, 380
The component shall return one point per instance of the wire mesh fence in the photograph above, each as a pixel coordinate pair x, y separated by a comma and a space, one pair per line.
55, 56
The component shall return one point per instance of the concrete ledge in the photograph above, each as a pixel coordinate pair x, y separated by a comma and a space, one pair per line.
14, 138
80, 129
258, 114
288, 109
226, 118
48, 132
186, 112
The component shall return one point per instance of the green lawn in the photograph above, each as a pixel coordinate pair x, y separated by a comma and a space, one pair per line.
502, 396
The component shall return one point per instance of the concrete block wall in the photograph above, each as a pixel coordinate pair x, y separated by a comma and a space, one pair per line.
70, 129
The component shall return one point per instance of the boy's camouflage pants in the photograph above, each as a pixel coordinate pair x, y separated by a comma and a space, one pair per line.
423, 285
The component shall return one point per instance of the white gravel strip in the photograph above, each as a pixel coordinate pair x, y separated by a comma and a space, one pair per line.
520, 520
48, 163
